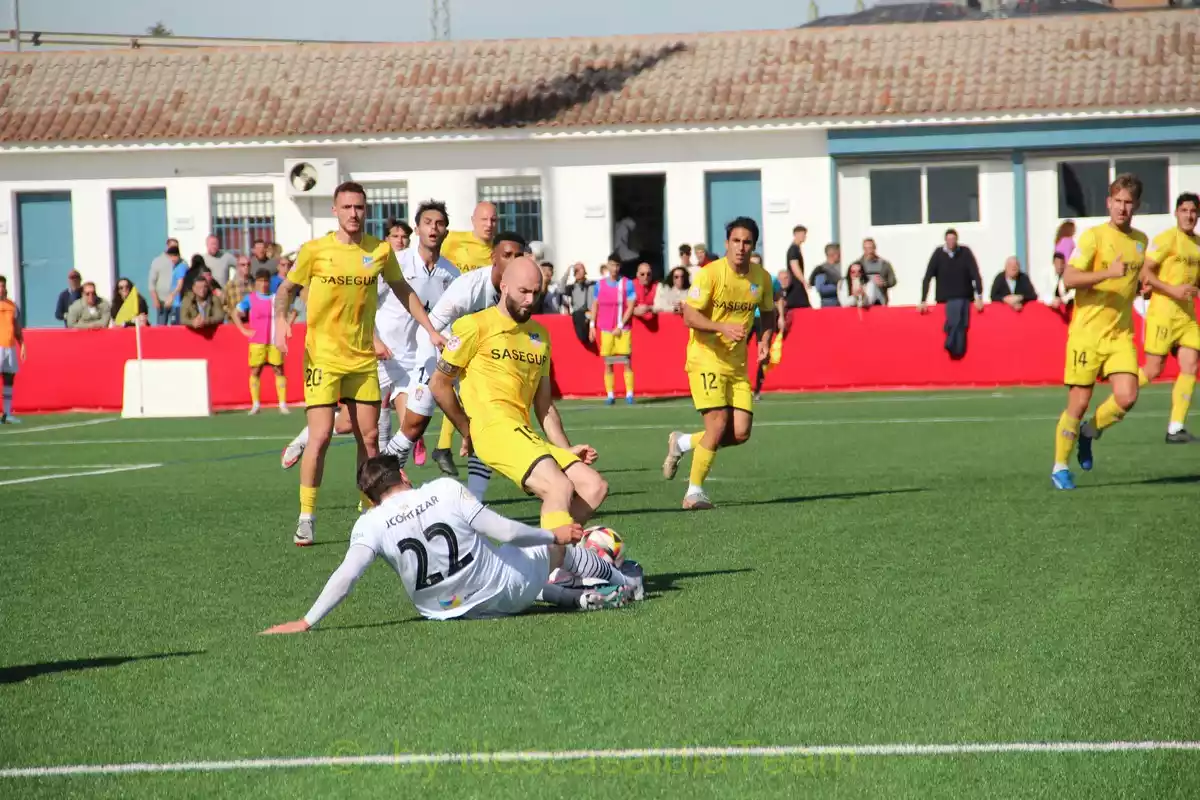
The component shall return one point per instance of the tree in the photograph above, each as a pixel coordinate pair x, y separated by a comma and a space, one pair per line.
159, 29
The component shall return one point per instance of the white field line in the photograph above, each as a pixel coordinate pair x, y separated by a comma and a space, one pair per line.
59, 475
661, 753
65, 466
60, 426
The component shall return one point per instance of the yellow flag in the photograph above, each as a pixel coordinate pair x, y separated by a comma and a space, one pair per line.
776, 352
129, 309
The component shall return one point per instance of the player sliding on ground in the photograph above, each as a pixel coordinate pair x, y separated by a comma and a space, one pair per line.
1103, 271
340, 270
433, 537
1172, 268
506, 358
720, 312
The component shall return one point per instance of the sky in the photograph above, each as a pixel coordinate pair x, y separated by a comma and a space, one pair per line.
408, 20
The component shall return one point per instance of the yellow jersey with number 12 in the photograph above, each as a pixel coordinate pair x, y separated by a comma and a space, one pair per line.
466, 252
1106, 309
723, 295
504, 361
1178, 257
342, 298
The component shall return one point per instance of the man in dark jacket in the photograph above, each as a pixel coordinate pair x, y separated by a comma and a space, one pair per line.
958, 281
1013, 286
68, 296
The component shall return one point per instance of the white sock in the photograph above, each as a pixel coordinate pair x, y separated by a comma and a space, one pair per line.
399, 446
8, 395
1174, 427
685, 442
610, 395
1058, 468
301, 439
586, 564
307, 517
385, 426
694, 489
479, 475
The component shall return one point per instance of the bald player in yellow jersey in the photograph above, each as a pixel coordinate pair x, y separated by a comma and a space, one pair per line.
1104, 271
1172, 270
504, 360
720, 312
340, 271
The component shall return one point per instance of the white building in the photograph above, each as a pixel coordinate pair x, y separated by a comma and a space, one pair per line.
895, 132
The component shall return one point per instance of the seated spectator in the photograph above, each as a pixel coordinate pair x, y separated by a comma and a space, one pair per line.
549, 301
1012, 286
879, 270
139, 313
1057, 295
825, 277
90, 311
858, 289
200, 309
671, 295
645, 288
281, 267
789, 292
68, 297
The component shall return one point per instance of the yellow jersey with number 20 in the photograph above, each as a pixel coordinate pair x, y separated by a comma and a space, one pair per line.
342, 298
1178, 257
723, 295
505, 360
1106, 309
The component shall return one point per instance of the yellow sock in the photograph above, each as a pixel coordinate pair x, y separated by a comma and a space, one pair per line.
1181, 397
1142, 379
1108, 414
1064, 438
609, 381
555, 519
308, 499
255, 385
445, 435
281, 388
365, 501
628, 375
702, 460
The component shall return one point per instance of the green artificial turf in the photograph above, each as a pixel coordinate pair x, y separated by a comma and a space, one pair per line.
881, 569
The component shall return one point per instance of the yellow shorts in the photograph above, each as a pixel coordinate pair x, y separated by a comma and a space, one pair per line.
513, 449
713, 390
1089, 358
1165, 333
327, 386
616, 344
265, 354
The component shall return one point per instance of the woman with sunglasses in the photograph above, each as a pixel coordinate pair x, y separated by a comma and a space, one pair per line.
137, 312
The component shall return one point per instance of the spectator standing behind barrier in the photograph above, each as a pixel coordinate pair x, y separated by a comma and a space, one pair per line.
159, 282
857, 290
280, 267
795, 260
137, 310
879, 271
577, 298
1056, 294
825, 276
175, 297
1064, 239
200, 308
957, 274
645, 288
67, 297
1013, 287
550, 299
700, 255
240, 285
670, 297
90, 311
685, 257
260, 258
221, 263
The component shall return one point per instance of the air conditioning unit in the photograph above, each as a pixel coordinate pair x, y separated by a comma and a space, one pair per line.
311, 177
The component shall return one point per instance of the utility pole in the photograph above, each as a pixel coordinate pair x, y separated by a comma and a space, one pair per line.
17, 21
439, 20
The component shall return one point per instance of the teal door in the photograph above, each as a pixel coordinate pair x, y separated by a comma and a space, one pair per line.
730, 195
45, 246
139, 220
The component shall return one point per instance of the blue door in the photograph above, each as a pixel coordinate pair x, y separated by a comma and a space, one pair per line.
45, 241
730, 195
139, 220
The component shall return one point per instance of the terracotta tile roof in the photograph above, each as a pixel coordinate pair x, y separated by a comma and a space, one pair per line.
1110, 61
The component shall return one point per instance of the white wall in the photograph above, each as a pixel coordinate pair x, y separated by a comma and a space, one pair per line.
908, 247
574, 175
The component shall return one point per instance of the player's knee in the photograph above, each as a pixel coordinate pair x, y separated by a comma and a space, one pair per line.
592, 488
1125, 396
741, 436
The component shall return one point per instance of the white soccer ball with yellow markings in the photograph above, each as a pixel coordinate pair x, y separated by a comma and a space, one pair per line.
606, 543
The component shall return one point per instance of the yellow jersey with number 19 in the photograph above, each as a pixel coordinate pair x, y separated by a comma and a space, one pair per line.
466, 252
1178, 257
1106, 309
505, 360
342, 298
722, 294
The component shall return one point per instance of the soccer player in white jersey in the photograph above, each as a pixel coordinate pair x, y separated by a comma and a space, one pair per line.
472, 292
434, 538
429, 274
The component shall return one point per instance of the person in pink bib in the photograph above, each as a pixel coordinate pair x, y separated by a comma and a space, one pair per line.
258, 309
612, 307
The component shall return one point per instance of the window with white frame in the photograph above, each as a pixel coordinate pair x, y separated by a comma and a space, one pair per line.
384, 202
242, 214
1083, 185
518, 204
918, 195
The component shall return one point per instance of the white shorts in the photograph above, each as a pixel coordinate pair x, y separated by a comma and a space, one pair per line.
420, 399
527, 570
9, 361
393, 377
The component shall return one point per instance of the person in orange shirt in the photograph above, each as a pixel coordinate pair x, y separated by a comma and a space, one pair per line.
12, 349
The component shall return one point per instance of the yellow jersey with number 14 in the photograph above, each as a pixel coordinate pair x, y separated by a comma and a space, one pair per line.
342, 298
723, 295
1178, 257
466, 252
504, 361
1106, 309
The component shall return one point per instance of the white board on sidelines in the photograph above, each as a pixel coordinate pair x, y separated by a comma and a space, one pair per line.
166, 387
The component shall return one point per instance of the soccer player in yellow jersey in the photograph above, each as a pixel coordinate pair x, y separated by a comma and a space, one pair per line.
505, 358
12, 349
720, 312
340, 271
1171, 269
1104, 272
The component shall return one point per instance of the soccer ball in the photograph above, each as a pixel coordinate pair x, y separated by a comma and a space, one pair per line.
606, 543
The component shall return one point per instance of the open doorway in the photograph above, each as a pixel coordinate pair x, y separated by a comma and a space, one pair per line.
639, 221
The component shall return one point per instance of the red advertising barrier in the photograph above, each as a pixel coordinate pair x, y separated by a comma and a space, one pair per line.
825, 349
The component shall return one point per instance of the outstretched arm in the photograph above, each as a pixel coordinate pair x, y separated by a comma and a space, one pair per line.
503, 529
337, 588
